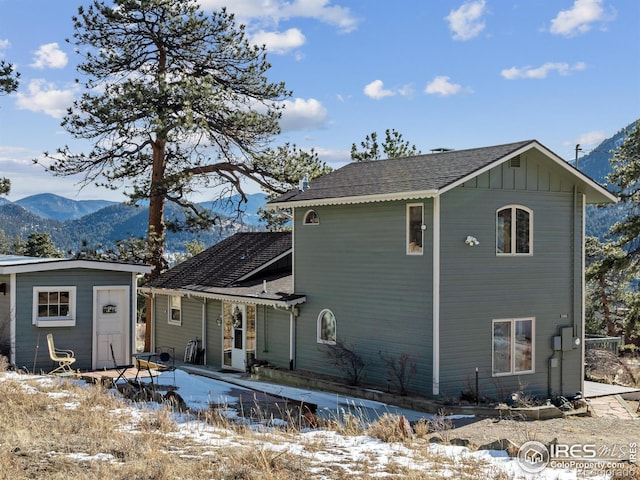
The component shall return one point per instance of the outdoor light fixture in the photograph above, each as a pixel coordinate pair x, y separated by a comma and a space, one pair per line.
471, 241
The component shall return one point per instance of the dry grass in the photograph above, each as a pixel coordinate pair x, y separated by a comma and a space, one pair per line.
55, 429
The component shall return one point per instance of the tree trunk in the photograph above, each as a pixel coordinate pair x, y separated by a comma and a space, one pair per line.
156, 233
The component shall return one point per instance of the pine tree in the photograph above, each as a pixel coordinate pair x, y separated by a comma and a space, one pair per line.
175, 101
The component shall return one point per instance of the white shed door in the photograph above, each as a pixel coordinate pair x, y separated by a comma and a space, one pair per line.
110, 320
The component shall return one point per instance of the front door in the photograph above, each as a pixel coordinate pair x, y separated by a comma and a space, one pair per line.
239, 335
110, 320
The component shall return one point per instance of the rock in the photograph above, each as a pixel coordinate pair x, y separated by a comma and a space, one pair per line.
502, 444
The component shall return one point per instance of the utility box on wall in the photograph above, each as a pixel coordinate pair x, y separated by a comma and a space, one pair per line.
567, 338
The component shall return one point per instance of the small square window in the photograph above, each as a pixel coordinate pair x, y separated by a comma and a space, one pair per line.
54, 306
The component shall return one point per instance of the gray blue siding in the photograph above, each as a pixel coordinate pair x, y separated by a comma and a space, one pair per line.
31, 341
354, 263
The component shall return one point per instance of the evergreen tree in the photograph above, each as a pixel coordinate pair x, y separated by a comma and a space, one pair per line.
293, 166
394, 146
175, 101
40, 245
626, 233
8, 83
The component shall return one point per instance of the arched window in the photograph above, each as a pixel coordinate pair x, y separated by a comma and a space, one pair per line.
311, 218
327, 327
514, 230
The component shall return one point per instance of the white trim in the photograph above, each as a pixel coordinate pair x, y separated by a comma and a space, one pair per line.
126, 323
381, 197
319, 338
250, 299
408, 228
514, 229
49, 264
595, 188
541, 148
582, 291
436, 297
60, 321
12, 318
265, 265
512, 370
306, 215
170, 319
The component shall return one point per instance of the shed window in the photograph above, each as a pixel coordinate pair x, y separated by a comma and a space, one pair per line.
327, 327
54, 306
415, 229
514, 231
311, 218
175, 310
512, 351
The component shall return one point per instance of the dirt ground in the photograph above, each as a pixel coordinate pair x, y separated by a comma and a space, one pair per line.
602, 431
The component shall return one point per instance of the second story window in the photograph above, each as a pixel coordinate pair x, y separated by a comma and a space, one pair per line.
311, 218
514, 230
415, 228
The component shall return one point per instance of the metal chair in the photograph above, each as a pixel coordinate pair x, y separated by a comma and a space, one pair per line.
65, 358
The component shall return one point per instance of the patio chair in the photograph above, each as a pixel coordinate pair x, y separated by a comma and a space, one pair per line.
121, 370
65, 358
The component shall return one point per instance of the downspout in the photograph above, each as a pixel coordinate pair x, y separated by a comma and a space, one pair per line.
204, 330
12, 318
436, 296
582, 292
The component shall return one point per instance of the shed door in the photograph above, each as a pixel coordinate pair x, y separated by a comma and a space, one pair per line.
110, 320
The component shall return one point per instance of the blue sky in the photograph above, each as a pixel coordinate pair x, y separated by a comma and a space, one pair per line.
444, 73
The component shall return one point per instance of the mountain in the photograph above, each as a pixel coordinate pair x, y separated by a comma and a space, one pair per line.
118, 221
55, 207
596, 164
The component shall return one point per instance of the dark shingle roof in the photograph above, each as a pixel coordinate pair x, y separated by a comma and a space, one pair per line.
226, 262
407, 174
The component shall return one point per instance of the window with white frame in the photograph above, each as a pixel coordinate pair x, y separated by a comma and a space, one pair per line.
512, 346
415, 228
327, 328
175, 310
54, 306
514, 230
311, 218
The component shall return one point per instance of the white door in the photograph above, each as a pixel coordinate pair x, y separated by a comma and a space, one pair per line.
110, 324
238, 349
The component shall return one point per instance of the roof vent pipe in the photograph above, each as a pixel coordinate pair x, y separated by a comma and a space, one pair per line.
304, 183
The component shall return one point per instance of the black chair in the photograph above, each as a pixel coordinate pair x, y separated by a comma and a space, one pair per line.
120, 369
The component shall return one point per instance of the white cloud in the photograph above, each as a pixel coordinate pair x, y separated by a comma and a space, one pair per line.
46, 98
4, 44
302, 114
377, 91
50, 56
442, 86
543, 71
591, 138
279, 42
578, 19
466, 22
277, 10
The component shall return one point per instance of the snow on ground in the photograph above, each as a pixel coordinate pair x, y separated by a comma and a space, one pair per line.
321, 447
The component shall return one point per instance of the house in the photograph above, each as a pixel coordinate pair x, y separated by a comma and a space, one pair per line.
87, 305
235, 299
459, 263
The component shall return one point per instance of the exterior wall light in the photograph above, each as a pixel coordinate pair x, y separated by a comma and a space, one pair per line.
472, 241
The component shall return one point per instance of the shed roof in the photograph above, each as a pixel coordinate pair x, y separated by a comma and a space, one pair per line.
421, 176
22, 264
